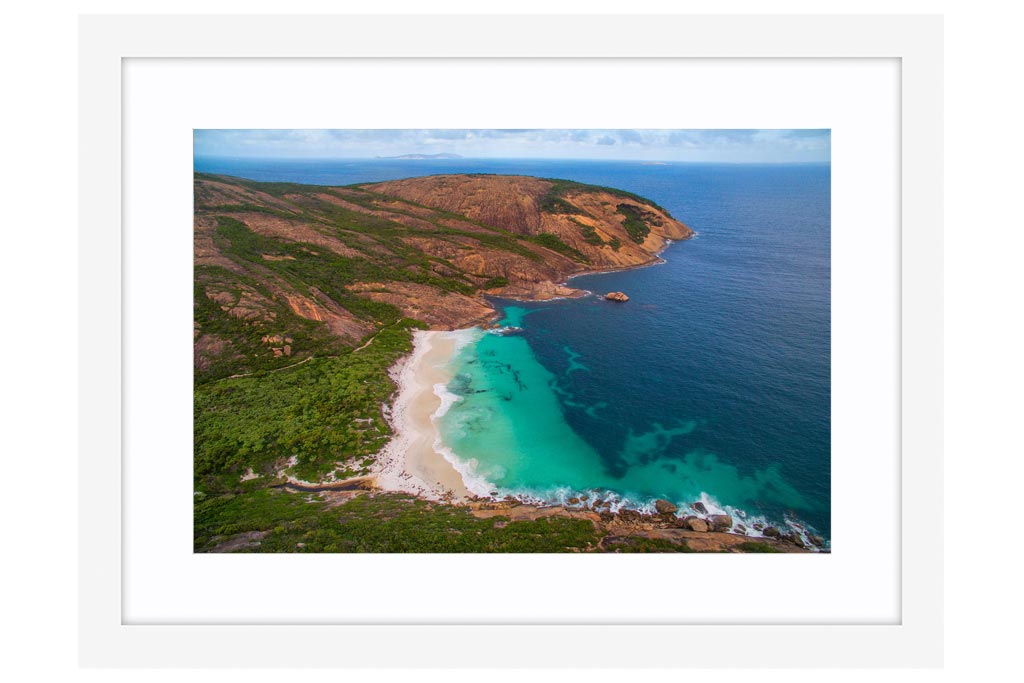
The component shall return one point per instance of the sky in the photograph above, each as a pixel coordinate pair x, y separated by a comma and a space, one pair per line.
709, 145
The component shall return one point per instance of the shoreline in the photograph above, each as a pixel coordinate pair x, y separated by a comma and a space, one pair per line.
413, 461
656, 260
410, 462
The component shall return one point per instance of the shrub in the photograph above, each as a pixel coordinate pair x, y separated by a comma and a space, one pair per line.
634, 224
495, 283
554, 243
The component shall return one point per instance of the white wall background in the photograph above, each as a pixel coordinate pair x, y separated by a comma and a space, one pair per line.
984, 369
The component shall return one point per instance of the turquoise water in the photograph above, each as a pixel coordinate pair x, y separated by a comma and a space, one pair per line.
508, 423
506, 420
713, 382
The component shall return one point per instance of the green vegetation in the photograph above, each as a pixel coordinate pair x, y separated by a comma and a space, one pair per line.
636, 219
641, 544
382, 523
251, 208
634, 222
555, 243
330, 273
553, 203
495, 283
757, 547
560, 187
615, 243
242, 339
590, 235
323, 412
273, 189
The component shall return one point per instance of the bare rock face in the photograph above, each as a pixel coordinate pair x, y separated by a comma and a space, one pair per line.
616, 296
699, 507
721, 522
696, 524
664, 507
795, 539
629, 515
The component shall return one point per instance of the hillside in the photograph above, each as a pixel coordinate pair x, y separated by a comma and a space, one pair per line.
284, 272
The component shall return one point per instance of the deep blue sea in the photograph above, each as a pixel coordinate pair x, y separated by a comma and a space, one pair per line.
712, 383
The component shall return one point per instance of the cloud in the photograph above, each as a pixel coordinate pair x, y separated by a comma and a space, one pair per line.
710, 145
631, 136
450, 134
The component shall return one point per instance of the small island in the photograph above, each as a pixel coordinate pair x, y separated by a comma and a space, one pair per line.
616, 296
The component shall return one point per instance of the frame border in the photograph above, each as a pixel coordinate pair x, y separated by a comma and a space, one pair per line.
105, 41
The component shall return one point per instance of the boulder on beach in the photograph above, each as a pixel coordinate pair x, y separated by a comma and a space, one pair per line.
616, 296
629, 515
772, 532
664, 507
721, 522
696, 524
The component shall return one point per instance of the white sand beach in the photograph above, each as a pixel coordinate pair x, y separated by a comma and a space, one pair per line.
410, 462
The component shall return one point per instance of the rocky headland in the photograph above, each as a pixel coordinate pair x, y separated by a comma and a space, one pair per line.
327, 266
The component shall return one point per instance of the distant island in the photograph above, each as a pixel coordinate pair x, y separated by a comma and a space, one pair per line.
442, 155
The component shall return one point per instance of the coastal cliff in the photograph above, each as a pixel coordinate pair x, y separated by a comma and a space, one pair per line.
286, 271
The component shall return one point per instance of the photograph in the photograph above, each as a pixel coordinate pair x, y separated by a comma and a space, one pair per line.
512, 341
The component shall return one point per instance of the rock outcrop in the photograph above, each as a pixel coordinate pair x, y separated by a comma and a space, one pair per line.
721, 522
664, 507
616, 296
696, 524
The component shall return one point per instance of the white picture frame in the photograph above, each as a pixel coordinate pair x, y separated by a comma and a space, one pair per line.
106, 42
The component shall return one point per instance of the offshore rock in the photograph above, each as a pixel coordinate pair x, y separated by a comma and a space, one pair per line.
616, 296
664, 507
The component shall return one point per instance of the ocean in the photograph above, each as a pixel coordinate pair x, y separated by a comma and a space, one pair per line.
711, 384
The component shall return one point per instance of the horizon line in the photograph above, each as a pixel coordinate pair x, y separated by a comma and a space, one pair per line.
827, 162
